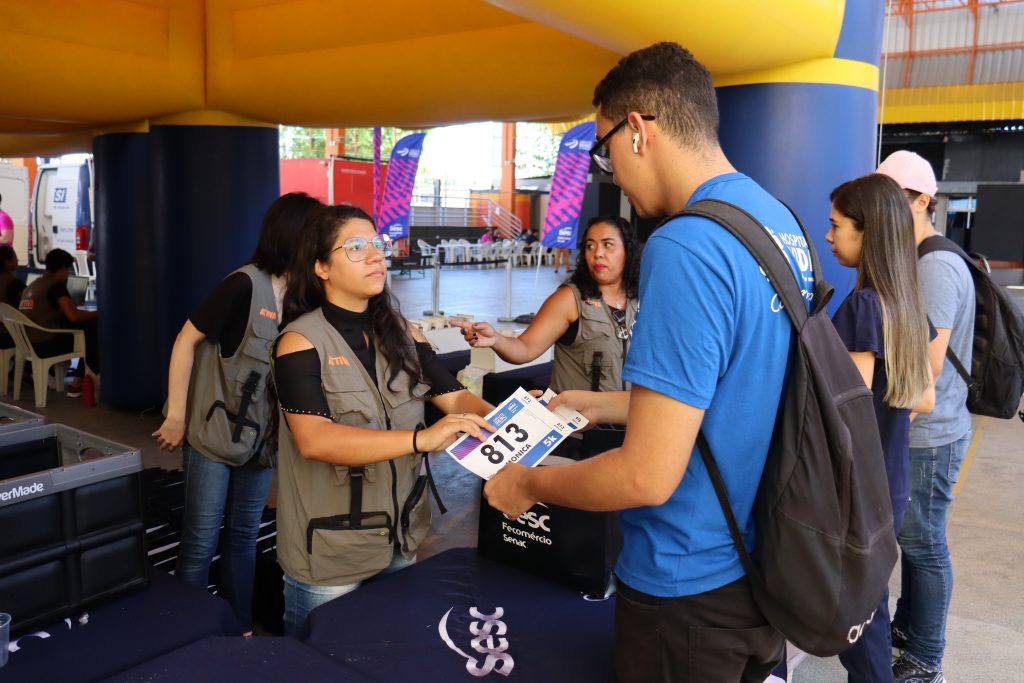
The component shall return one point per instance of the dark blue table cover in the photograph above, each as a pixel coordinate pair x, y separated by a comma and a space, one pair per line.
390, 628
228, 659
133, 629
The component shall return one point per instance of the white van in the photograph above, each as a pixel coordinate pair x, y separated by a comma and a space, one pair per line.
62, 210
14, 193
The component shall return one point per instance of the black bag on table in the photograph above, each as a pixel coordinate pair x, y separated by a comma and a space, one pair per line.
574, 547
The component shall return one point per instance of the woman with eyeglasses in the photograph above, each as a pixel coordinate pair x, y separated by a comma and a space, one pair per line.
218, 412
886, 330
589, 319
352, 378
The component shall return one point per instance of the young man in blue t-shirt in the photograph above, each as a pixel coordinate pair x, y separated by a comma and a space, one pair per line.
709, 352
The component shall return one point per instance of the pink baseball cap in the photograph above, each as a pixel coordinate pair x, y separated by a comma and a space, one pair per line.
912, 171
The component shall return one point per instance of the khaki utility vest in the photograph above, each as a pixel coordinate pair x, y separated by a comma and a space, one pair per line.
336, 524
594, 360
37, 307
227, 396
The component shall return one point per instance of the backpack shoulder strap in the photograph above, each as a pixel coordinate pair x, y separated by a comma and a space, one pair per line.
941, 243
960, 369
775, 264
723, 501
762, 247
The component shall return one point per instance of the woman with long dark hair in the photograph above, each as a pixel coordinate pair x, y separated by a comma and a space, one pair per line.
218, 412
885, 328
352, 377
589, 321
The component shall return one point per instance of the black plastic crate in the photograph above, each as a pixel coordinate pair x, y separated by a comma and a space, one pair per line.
71, 511
13, 417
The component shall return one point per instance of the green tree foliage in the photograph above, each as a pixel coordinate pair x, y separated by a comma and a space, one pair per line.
306, 143
536, 150
302, 143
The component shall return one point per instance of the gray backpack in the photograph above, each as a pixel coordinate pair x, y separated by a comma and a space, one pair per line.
996, 380
825, 545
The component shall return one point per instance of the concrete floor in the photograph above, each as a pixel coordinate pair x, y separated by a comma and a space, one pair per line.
986, 529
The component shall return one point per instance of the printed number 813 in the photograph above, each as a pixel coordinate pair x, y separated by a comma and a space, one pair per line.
495, 456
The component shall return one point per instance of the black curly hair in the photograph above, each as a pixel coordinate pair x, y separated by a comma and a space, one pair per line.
306, 292
666, 81
582, 278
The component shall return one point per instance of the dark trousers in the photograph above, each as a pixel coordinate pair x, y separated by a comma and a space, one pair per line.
869, 660
714, 637
63, 343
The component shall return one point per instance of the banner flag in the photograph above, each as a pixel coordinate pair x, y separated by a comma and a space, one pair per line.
376, 175
397, 202
567, 185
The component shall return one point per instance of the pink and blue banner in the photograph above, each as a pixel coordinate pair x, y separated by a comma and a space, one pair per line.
376, 174
397, 202
567, 185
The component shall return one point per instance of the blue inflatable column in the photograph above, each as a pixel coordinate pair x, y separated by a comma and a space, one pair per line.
126, 259
178, 209
803, 129
211, 187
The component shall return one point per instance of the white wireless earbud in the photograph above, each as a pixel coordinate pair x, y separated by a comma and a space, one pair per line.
636, 143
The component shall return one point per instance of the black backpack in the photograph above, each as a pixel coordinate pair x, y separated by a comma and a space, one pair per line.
996, 380
825, 546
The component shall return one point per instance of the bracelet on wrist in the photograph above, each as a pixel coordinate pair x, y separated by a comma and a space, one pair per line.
415, 432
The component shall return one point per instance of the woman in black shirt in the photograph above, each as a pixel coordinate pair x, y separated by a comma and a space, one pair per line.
884, 327
350, 375
222, 486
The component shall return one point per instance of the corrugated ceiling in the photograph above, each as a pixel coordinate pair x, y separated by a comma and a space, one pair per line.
953, 42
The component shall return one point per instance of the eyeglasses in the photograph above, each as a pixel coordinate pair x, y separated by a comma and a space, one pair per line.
599, 152
356, 247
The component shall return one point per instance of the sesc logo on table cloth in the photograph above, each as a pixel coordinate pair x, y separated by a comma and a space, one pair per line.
484, 633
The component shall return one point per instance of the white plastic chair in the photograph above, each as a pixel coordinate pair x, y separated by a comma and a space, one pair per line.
17, 324
6, 356
428, 251
464, 250
530, 254
518, 249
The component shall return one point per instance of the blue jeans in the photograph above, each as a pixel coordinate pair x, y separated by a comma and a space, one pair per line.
302, 598
236, 495
926, 570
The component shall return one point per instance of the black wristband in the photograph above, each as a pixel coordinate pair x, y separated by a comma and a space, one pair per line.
414, 433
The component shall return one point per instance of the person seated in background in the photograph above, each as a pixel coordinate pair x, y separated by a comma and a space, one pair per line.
10, 289
529, 236
11, 286
488, 236
47, 302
